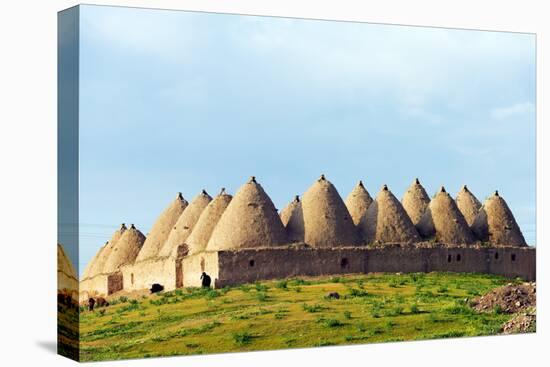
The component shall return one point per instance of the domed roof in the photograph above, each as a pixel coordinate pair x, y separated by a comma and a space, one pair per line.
64, 264
357, 202
67, 279
250, 220
443, 221
185, 224
496, 224
161, 229
386, 221
98, 266
292, 217
91, 264
467, 204
125, 250
415, 201
327, 221
198, 239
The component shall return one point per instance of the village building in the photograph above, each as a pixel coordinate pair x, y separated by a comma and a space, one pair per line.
244, 239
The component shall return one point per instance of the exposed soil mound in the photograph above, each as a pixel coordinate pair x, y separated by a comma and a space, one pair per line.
496, 224
327, 221
511, 298
387, 222
162, 228
293, 219
415, 201
524, 322
467, 204
358, 201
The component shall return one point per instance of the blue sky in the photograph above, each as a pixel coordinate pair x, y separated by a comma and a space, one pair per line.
179, 101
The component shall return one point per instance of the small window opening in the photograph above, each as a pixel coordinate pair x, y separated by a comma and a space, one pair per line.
251, 263
449, 258
496, 255
132, 278
344, 263
513, 257
458, 257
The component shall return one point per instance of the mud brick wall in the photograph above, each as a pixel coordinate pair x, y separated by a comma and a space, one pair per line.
246, 266
114, 283
236, 267
193, 266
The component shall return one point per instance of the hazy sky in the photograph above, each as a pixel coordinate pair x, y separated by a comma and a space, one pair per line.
179, 101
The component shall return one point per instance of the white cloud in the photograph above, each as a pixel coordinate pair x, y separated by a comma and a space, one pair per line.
502, 113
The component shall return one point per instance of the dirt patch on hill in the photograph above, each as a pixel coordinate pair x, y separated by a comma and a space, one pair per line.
509, 299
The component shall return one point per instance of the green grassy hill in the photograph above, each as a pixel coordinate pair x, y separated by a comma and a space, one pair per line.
291, 313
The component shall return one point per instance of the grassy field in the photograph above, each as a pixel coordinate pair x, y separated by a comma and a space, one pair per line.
291, 313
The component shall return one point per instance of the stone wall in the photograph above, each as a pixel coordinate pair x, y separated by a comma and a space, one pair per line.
143, 274
193, 266
233, 267
95, 286
245, 266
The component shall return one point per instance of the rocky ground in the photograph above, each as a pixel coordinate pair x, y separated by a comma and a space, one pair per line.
517, 299
523, 322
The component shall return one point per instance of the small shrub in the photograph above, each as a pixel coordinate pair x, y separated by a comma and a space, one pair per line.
242, 338
332, 323
261, 296
312, 308
123, 299
299, 281
261, 287
244, 288
347, 315
282, 284
414, 308
396, 311
358, 293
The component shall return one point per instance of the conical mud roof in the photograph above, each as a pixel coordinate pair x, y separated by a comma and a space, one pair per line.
64, 264
386, 221
327, 221
249, 221
125, 250
415, 201
99, 264
93, 261
467, 204
496, 224
161, 229
358, 201
185, 224
444, 222
199, 237
293, 219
